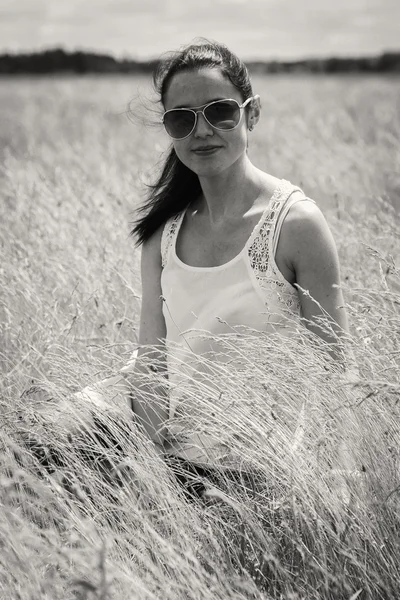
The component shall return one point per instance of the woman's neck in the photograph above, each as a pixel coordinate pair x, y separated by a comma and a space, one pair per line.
232, 192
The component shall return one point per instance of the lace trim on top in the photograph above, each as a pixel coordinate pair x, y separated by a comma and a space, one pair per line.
168, 236
260, 251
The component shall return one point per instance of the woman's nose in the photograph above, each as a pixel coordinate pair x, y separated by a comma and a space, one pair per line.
203, 127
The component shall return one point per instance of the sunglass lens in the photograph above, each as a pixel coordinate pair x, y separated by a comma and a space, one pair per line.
224, 114
179, 123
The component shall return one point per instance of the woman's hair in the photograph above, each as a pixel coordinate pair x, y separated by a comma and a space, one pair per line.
177, 185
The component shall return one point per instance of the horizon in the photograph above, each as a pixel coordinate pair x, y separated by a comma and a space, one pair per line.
256, 30
250, 59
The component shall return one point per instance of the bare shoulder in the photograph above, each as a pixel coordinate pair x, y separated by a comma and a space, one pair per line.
304, 221
151, 268
306, 236
151, 250
303, 214
152, 324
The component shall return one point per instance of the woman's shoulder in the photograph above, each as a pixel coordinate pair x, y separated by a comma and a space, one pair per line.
304, 213
305, 231
151, 249
276, 192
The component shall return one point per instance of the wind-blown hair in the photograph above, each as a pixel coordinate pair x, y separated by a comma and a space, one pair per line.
177, 185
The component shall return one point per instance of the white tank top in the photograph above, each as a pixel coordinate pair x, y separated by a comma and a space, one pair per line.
202, 305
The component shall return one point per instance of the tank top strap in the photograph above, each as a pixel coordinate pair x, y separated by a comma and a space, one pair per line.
259, 245
168, 236
297, 195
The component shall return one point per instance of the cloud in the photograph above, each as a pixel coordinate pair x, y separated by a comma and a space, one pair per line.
252, 28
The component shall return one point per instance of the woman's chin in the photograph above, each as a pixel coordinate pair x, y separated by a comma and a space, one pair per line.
205, 169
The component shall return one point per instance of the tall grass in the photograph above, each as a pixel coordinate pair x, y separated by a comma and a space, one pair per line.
86, 517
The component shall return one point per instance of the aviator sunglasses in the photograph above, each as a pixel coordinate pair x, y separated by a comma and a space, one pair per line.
223, 115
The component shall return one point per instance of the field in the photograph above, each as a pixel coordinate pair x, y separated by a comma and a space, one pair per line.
73, 168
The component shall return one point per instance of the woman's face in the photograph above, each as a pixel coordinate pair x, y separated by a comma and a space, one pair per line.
206, 151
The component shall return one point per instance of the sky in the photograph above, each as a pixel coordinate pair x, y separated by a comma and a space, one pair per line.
254, 29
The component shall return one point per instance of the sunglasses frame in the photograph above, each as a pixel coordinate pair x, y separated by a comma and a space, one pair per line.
201, 110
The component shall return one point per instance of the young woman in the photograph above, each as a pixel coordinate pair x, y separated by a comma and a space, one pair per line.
225, 247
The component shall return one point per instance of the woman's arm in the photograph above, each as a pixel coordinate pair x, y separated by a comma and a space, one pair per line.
148, 395
308, 252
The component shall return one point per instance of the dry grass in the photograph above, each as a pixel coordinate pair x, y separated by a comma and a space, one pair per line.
74, 521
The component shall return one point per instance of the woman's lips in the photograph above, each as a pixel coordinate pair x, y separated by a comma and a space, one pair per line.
206, 150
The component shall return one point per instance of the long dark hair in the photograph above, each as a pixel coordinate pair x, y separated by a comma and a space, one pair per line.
177, 186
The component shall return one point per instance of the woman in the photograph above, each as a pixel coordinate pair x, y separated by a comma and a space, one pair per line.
225, 247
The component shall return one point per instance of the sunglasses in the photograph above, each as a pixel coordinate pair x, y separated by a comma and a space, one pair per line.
223, 115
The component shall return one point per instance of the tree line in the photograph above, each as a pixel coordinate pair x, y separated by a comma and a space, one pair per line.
60, 61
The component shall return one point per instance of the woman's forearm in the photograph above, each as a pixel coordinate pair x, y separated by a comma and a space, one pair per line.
142, 385
150, 405
146, 385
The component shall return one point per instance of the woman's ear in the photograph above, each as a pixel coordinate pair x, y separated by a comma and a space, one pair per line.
254, 112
